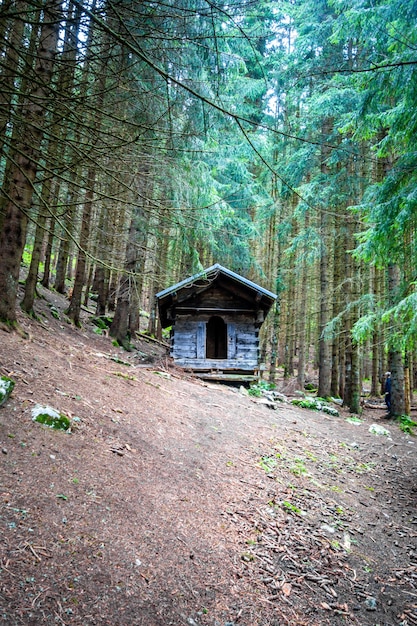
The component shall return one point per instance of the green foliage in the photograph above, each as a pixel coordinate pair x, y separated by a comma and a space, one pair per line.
54, 312
354, 420
267, 463
406, 424
316, 404
291, 508
117, 359
26, 257
305, 403
123, 375
235, 143
299, 468
258, 388
102, 322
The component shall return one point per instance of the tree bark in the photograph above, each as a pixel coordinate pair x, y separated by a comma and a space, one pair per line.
74, 308
48, 253
9, 66
23, 172
32, 277
395, 357
325, 356
120, 325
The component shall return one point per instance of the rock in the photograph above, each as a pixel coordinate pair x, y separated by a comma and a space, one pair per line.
377, 429
327, 528
6, 388
370, 604
280, 396
50, 417
266, 402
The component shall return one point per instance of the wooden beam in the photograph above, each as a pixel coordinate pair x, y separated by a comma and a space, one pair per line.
183, 309
226, 377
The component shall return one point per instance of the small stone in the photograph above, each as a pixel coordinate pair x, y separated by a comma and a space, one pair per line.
370, 604
4, 450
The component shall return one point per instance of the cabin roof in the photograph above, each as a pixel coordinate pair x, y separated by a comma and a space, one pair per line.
210, 274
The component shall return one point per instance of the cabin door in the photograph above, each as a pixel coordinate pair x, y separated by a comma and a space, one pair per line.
216, 338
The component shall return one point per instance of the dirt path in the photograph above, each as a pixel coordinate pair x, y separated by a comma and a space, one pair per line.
184, 503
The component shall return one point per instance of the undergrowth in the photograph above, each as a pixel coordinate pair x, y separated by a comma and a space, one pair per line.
406, 424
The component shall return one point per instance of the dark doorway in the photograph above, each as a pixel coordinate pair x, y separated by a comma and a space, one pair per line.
216, 342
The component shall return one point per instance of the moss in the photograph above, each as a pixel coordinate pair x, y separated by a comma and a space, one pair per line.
317, 404
103, 322
54, 312
50, 417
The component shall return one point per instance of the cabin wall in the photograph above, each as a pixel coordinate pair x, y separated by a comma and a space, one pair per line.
188, 343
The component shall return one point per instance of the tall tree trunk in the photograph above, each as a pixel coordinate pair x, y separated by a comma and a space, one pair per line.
338, 342
376, 340
325, 356
290, 331
23, 173
32, 277
302, 345
17, 121
407, 386
48, 253
276, 323
353, 383
395, 357
68, 226
74, 308
120, 325
102, 273
10, 62
57, 134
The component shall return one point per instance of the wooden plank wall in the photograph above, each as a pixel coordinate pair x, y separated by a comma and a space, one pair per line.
188, 344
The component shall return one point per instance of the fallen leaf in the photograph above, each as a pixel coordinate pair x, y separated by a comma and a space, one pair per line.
286, 589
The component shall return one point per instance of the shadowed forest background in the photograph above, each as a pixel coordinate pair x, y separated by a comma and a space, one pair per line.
142, 142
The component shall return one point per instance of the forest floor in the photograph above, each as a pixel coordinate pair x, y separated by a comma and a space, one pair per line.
179, 502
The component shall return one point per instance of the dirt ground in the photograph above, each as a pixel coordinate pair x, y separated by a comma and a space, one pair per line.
179, 502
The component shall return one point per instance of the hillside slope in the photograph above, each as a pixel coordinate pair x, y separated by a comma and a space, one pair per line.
177, 502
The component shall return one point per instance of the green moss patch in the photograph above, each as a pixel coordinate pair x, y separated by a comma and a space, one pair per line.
50, 417
317, 404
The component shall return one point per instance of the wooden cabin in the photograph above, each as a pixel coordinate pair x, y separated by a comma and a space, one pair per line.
215, 317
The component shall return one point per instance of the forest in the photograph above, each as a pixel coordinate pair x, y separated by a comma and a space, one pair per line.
142, 142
